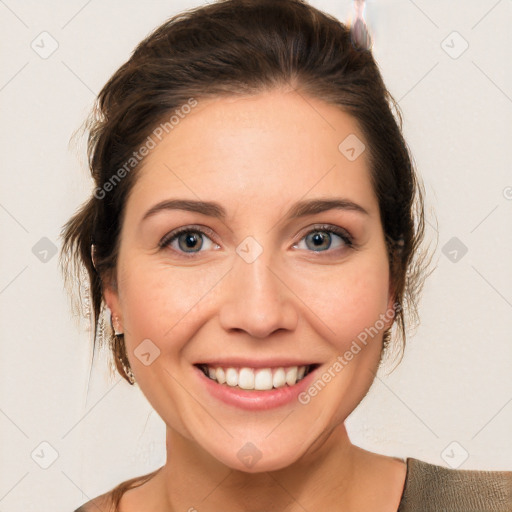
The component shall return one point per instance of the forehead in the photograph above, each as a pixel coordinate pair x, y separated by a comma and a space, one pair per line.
261, 151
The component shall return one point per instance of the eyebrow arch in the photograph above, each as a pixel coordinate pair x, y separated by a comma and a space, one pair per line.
299, 209
303, 208
209, 208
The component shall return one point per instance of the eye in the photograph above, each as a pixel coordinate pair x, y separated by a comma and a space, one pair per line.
191, 239
188, 239
320, 239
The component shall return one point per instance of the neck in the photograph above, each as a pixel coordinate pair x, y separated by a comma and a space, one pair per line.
194, 480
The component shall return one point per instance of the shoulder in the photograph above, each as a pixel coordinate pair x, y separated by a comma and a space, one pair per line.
109, 502
455, 489
101, 503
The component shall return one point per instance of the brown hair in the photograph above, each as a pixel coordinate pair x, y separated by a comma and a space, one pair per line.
244, 47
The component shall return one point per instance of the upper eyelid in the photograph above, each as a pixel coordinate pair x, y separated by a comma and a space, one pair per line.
184, 229
331, 228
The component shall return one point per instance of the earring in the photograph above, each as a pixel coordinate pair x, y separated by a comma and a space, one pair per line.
121, 359
117, 323
126, 365
131, 377
116, 318
123, 365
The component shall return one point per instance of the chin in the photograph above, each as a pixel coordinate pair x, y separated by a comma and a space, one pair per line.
258, 452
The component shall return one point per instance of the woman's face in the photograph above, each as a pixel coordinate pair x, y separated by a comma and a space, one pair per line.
265, 287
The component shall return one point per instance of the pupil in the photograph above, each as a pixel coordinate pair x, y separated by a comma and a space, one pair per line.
190, 240
319, 238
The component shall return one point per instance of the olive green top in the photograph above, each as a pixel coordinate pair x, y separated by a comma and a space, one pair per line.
432, 488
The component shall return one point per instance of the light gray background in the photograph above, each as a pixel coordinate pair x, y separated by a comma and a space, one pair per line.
455, 382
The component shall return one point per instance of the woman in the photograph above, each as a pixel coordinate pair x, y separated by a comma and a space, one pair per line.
255, 232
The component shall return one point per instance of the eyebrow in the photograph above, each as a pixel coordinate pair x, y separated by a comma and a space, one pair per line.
299, 209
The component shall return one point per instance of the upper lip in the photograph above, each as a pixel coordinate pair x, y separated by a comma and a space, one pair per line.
254, 363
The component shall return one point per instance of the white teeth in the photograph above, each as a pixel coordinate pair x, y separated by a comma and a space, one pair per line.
231, 377
279, 378
261, 379
291, 376
246, 378
220, 376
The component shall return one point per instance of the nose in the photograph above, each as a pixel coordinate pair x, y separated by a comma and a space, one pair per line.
257, 299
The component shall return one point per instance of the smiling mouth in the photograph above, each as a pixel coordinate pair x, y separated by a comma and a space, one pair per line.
259, 379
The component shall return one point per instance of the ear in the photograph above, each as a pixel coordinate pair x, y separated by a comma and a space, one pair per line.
111, 297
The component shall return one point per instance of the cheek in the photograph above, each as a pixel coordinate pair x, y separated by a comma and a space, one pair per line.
164, 303
348, 300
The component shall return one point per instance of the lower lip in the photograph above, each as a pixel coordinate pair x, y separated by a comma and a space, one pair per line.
255, 400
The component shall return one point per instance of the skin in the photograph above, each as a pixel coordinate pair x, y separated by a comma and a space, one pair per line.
256, 156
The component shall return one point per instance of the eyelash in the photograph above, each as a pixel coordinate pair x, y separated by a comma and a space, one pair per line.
322, 228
